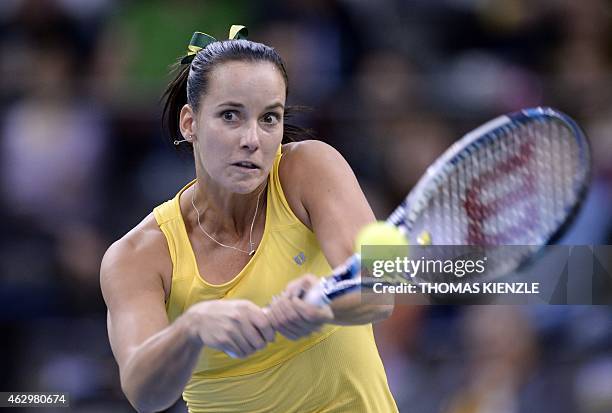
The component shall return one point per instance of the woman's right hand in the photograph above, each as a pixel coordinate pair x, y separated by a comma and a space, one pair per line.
236, 327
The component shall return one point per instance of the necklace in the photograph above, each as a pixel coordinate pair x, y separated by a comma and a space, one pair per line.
251, 244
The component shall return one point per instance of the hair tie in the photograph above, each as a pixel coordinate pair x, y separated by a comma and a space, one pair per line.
200, 40
237, 32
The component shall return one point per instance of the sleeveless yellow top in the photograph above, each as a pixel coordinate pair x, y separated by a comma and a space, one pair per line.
335, 370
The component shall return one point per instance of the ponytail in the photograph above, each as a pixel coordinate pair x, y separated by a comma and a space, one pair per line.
175, 98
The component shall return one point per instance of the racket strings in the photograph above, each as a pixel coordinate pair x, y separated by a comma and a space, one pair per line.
494, 180
510, 189
559, 174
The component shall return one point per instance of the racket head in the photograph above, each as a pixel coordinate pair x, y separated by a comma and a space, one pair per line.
519, 179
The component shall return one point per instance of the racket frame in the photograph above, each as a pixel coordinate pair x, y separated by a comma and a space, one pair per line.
346, 277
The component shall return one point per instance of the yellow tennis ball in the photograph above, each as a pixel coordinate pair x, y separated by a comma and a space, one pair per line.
379, 233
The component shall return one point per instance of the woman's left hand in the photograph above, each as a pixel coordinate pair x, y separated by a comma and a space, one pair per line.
293, 317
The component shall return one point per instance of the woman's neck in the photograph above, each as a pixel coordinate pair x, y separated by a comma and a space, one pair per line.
226, 213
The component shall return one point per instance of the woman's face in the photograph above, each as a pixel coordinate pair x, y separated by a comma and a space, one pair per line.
239, 125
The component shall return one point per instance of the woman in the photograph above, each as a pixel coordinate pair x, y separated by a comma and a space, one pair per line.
186, 286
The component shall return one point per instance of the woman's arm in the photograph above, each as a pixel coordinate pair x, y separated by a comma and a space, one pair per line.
156, 358
324, 193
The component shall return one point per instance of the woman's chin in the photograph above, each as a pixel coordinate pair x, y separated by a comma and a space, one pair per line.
245, 187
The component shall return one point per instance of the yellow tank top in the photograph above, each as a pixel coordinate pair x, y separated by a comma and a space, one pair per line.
335, 370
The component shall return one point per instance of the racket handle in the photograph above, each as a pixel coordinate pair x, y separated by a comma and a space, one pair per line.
233, 355
316, 295
321, 294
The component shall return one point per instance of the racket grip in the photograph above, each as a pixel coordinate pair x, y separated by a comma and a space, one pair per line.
233, 355
316, 295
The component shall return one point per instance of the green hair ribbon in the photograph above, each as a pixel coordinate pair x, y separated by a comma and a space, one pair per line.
200, 40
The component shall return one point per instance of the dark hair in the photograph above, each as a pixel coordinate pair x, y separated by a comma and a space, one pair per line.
191, 82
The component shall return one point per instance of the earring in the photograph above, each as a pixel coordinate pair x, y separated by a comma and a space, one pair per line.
177, 143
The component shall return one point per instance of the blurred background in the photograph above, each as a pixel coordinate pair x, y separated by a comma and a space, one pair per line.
83, 159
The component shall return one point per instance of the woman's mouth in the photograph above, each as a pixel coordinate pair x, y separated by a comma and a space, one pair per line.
246, 165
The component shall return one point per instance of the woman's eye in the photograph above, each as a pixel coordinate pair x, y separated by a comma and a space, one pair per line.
228, 115
271, 118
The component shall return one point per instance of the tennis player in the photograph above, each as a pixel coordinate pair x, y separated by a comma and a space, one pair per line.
187, 286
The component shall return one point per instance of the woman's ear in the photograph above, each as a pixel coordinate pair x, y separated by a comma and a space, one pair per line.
187, 123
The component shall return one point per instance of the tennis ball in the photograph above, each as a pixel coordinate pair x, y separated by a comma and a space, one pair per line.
379, 233
387, 237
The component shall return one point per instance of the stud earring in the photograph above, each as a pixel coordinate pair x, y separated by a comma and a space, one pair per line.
177, 142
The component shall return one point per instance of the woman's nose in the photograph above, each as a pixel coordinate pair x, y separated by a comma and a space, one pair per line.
250, 137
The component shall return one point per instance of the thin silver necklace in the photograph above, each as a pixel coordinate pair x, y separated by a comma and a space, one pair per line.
252, 245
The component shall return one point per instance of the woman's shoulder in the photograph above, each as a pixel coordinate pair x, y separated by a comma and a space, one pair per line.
304, 152
144, 236
143, 250
305, 162
303, 165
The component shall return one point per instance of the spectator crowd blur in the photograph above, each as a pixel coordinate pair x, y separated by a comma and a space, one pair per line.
391, 83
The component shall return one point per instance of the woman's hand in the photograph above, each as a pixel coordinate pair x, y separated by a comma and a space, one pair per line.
293, 317
237, 327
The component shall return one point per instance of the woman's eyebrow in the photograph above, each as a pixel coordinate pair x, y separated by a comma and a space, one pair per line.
240, 105
275, 105
232, 104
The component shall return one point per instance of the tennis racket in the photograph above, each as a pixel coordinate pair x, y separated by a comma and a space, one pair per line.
519, 179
